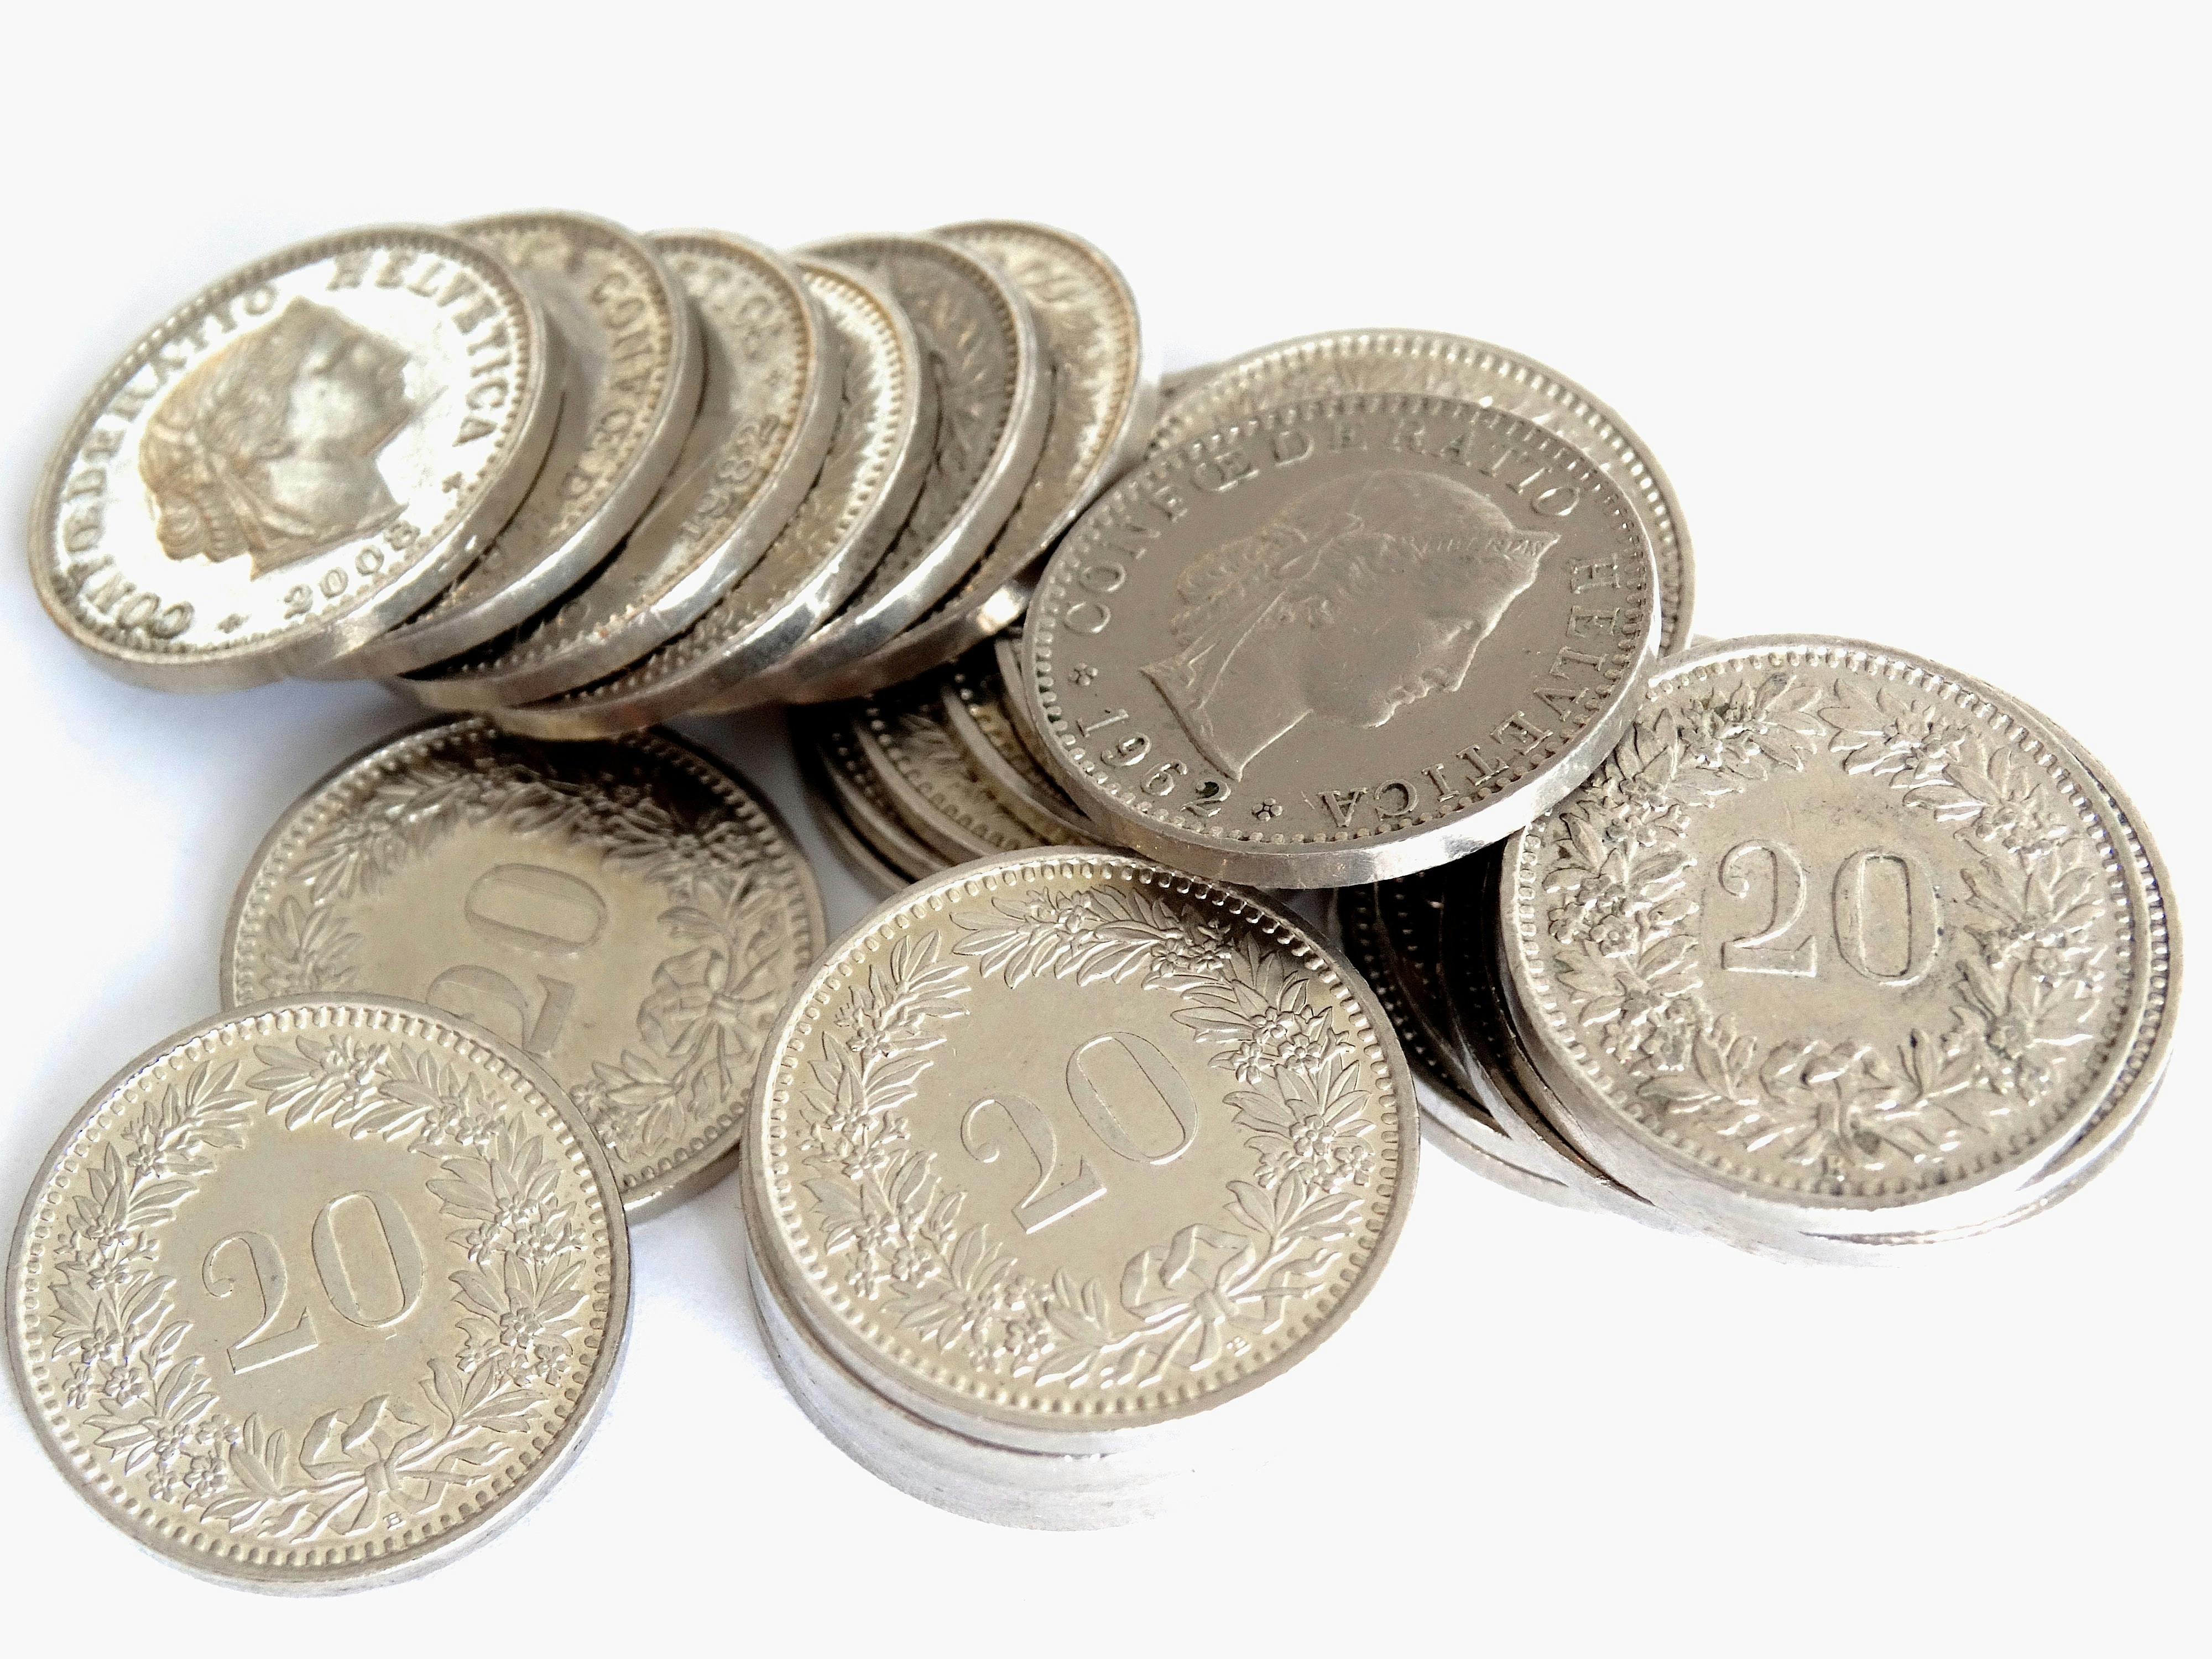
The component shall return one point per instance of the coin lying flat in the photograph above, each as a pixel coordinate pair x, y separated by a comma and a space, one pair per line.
1340, 641
973, 705
1067, 1242
301, 455
318, 1292
628, 913
632, 349
866, 488
1102, 407
988, 362
1467, 371
930, 784
1837, 942
769, 408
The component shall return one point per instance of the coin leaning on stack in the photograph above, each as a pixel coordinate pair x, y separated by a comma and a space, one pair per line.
1062, 1156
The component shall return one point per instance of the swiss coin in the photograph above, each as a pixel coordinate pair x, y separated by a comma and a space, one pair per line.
1073, 1242
866, 488
1340, 641
829, 752
930, 783
319, 1292
1467, 371
1102, 408
1837, 942
854, 851
628, 912
988, 362
631, 391
300, 456
974, 702
770, 407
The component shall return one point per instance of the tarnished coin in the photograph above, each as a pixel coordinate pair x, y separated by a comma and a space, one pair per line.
1839, 942
772, 393
318, 1293
973, 701
1061, 1149
988, 361
866, 488
1468, 372
1340, 641
1101, 409
299, 457
628, 912
828, 753
631, 391
931, 787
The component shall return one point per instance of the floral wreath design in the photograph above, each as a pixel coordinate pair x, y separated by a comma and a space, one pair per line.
381, 1466
701, 1025
1837, 1110
1195, 1302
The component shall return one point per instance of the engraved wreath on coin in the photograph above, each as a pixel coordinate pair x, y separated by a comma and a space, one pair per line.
520, 1305
1192, 1302
1840, 1113
701, 1024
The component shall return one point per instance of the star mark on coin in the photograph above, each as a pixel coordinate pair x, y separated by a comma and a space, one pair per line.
1269, 808
1083, 673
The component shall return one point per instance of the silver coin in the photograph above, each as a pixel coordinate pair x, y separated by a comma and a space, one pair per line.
300, 456
854, 851
318, 1293
631, 392
865, 489
1101, 409
1340, 641
988, 361
1086, 1241
973, 705
930, 783
826, 746
1466, 371
772, 382
628, 912
1006, 653
1837, 942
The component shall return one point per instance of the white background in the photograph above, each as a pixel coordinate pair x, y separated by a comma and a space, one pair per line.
1911, 306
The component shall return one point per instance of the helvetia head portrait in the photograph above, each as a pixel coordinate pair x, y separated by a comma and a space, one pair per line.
1356, 598
268, 448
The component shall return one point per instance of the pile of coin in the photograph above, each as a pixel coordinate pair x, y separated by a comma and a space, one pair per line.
1064, 1153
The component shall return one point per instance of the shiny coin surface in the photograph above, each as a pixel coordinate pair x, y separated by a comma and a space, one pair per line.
628, 912
318, 1292
866, 488
854, 851
1060, 1149
767, 412
1839, 942
828, 749
300, 456
1467, 371
931, 786
1102, 408
633, 355
992, 397
974, 704
1340, 641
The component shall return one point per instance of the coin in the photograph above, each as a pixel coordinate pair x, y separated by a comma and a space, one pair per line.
1340, 642
1102, 407
300, 456
1072, 1241
930, 784
772, 394
1007, 653
631, 344
973, 705
1839, 942
873, 871
1468, 371
628, 912
824, 739
866, 488
988, 363
318, 1293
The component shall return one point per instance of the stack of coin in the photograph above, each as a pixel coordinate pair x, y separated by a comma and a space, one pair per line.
582, 481
1054, 1159
1838, 951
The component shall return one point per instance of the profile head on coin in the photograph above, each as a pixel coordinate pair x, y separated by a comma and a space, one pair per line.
1340, 641
1069, 1145
628, 912
318, 1292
